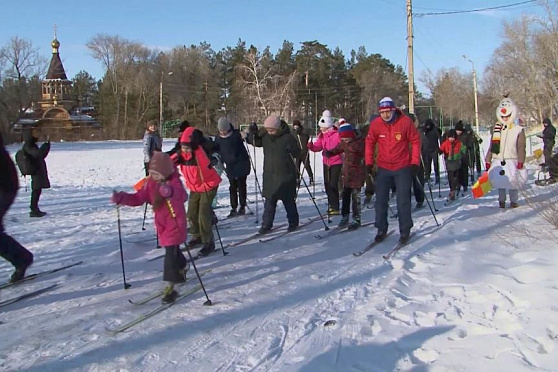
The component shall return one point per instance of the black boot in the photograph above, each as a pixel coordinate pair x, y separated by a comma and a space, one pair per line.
37, 213
169, 295
19, 272
207, 249
232, 213
264, 230
194, 242
380, 236
241, 211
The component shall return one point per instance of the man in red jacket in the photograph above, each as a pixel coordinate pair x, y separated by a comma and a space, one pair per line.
398, 159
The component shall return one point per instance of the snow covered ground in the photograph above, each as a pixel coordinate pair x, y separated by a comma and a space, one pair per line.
478, 294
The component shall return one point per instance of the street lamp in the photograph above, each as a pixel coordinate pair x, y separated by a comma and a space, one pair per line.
475, 93
161, 103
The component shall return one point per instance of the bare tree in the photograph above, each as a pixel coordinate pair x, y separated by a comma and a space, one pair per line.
266, 90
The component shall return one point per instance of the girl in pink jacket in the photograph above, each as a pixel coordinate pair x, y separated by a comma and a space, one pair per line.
165, 192
327, 140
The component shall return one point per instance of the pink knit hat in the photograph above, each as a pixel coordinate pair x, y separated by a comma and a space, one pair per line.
161, 164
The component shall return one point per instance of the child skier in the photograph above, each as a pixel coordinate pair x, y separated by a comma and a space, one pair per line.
279, 170
453, 151
202, 180
237, 162
353, 172
165, 192
327, 140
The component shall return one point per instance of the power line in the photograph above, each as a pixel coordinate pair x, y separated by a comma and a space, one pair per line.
474, 10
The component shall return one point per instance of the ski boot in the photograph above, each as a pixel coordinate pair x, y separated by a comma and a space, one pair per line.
344, 222
355, 224
207, 249
169, 294
194, 242
232, 213
380, 236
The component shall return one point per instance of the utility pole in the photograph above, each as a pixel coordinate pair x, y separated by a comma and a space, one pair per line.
161, 106
475, 93
161, 103
410, 57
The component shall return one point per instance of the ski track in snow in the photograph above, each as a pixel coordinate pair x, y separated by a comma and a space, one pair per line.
455, 298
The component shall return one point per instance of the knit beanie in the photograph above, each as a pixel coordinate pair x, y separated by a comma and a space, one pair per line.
342, 121
346, 131
452, 133
459, 126
386, 104
326, 121
162, 164
272, 122
296, 122
223, 124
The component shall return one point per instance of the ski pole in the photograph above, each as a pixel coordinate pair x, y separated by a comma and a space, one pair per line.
313, 201
144, 214
208, 302
219, 236
126, 285
429, 206
429, 186
213, 216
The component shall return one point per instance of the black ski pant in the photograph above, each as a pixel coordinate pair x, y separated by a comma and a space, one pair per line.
418, 185
453, 179
174, 262
332, 175
237, 192
270, 206
428, 158
351, 196
10, 249
35, 196
306, 162
463, 173
402, 179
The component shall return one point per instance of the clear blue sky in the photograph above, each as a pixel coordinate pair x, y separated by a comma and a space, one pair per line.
379, 25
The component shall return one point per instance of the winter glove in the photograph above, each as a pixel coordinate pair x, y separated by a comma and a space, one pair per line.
414, 170
310, 145
480, 141
371, 170
519, 165
253, 128
327, 153
487, 165
214, 160
117, 197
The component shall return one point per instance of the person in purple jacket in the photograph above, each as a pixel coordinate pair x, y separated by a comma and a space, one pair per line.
327, 140
165, 192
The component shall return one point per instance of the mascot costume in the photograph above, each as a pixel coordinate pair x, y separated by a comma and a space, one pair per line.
506, 156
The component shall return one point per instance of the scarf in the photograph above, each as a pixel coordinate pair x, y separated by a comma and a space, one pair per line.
496, 138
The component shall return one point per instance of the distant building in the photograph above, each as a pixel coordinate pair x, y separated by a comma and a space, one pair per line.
57, 114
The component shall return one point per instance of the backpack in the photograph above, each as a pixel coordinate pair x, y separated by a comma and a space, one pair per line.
25, 163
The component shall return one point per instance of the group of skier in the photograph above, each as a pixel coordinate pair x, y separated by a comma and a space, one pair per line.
391, 154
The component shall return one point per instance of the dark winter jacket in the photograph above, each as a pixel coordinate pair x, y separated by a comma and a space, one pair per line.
37, 154
354, 169
431, 138
549, 135
233, 154
151, 142
8, 181
302, 138
279, 170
